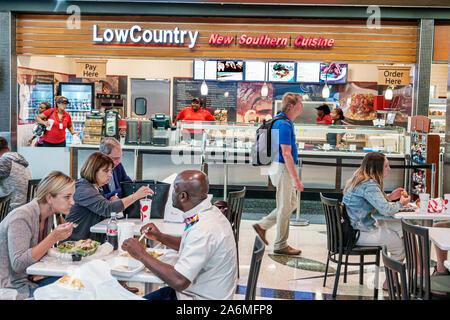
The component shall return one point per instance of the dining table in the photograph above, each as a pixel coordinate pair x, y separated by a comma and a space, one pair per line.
425, 217
447, 264
54, 267
440, 237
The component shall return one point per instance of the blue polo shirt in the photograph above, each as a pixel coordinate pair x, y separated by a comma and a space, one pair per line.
285, 135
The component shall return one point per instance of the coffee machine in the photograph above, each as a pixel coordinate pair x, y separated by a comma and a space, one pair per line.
161, 136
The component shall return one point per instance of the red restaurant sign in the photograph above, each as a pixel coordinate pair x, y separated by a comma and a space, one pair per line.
267, 41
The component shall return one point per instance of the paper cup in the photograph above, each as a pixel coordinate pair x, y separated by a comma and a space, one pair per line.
447, 203
424, 198
51, 121
125, 230
145, 206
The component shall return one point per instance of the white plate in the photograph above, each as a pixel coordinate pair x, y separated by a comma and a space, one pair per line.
125, 267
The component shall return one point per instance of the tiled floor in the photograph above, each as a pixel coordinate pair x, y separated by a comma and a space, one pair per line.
300, 278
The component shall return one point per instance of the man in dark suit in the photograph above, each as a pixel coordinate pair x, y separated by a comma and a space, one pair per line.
112, 148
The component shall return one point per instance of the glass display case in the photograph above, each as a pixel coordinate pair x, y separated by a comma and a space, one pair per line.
344, 138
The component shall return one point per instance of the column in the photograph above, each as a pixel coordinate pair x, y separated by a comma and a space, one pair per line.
423, 67
8, 79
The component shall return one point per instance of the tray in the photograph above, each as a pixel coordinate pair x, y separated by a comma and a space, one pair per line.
125, 267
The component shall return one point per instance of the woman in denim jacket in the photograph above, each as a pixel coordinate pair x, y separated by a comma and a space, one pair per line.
364, 194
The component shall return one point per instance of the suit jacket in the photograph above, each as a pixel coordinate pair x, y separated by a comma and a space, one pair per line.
119, 175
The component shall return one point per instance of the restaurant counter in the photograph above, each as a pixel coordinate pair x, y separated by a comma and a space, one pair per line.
227, 167
230, 166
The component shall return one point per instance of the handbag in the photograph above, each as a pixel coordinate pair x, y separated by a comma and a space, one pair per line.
350, 235
159, 198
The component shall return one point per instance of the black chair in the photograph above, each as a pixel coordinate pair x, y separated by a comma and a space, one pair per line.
335, 246
417, 249
4, 206
255, 265
31, 189
396, 278
235, 204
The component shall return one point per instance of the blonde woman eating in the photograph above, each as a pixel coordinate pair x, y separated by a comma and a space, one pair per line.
26, 236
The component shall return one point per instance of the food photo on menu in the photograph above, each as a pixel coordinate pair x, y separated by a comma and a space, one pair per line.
251, 106
230, 70
282, 71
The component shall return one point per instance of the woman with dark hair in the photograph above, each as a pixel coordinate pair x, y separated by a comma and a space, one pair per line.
363, 194
44, 106
91, 206
323, 114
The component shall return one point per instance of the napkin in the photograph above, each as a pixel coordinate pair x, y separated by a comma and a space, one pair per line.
96, 277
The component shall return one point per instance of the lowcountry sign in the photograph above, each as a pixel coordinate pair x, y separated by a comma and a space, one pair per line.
91, 69
137, 35
393, 76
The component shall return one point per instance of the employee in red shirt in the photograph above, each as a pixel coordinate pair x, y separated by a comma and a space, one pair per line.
59, 120
323, 115
194, 113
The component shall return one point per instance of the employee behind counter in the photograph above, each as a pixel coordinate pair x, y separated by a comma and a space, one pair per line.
324, 116
194, 113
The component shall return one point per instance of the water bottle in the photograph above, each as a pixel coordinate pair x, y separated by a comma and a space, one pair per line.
112, 231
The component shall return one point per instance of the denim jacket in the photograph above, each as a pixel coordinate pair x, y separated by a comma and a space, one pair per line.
363, 200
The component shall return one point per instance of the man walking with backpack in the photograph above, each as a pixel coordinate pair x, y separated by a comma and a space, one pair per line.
283, 174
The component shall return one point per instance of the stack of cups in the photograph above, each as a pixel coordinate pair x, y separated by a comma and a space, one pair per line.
125, 231
447, 203
424, 199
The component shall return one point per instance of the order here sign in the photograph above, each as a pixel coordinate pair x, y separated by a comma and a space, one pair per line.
91, 69
393, 76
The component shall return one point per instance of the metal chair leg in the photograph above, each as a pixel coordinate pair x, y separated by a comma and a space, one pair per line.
345, 268
338, 272
377, 275
361, 269
326, 269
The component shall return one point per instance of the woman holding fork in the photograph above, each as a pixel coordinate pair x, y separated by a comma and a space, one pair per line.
26, 233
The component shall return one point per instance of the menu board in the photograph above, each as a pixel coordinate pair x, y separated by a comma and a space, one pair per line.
255, 70
184, 90
230, 70
281, 71
201, 73
308, 72
333, 72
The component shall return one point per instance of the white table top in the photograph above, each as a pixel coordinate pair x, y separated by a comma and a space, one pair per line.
447, 264
422, 216
170, 228
440, 237
52, 267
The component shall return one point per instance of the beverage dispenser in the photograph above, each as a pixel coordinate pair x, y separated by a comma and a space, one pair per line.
112, 124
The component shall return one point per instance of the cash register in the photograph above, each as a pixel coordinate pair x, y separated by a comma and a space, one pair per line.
161, 136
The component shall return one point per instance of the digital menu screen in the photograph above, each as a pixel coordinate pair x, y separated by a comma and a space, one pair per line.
333, 72
230, 70
281, 71
255, 70
308, 72
204, 70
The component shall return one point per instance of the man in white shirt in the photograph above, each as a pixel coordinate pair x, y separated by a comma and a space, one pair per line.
206, 268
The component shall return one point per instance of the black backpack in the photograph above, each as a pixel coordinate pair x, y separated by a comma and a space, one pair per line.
261, 152
350, 235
